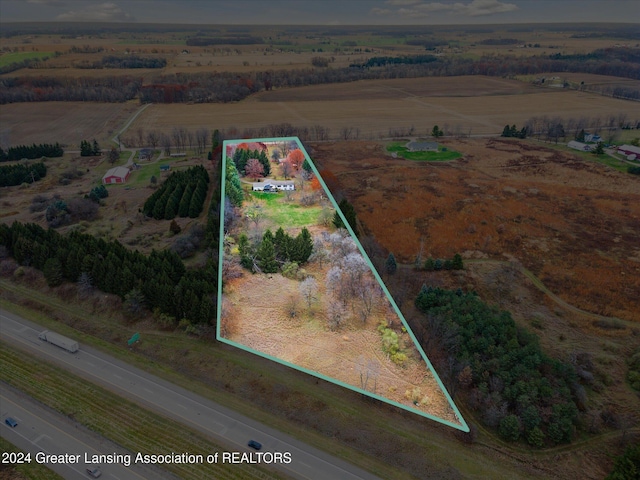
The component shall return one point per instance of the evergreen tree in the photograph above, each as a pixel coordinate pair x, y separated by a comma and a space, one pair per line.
53, 272
267, 256
349, 213
85, 149
95, 149
302, 247
506, 132
390, 265
457, 262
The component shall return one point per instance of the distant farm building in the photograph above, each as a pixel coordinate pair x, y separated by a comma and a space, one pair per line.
145, 154
583, 147
591, 137
273, 185
422, 146
629, 150
116, 175
165, 168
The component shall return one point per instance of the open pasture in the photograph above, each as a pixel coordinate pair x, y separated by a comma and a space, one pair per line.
390, 104
64, 122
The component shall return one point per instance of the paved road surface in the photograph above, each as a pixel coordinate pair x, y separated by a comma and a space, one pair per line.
42, 430
231, 428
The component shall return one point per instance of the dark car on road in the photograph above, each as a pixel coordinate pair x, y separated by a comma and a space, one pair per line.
255, 445
11, 422
94, 472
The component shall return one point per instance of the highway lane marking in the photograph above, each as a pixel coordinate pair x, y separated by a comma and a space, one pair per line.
40, 438
213, 411
62, 432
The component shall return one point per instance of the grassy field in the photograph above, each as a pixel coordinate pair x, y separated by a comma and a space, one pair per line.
390, 106
27, 471
14, 57
442, 155
122, 421
289, 214
64, 122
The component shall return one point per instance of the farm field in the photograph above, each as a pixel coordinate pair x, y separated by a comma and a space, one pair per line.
396, 106
574, 223
64, 122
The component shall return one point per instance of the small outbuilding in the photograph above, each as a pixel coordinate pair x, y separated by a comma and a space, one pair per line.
116, 175
422, 146
583, 147
629, 150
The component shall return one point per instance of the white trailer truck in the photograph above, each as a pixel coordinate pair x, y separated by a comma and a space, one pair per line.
60, 341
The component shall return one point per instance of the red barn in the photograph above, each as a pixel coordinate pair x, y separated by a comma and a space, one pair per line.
116, 175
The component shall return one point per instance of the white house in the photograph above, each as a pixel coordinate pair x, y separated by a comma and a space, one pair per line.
592, 137
583, 147
273, 185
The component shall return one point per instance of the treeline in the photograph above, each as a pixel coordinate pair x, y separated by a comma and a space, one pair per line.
505, 374
11, 175
437, 264
499, 41
31, 152
408, 60
182, 194
234, 86
513, 132
26, 63
111, 89
242, 155
129, 61
157, 281
237, 40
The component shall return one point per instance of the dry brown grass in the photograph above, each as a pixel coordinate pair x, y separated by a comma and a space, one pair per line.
64, 122
574, 223
261, 323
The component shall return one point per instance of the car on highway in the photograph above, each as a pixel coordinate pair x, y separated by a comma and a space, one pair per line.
255, 445
94, 472
11, 422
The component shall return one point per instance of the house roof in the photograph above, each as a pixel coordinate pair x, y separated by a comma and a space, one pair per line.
422, 146
578, 145
630, 148
273, 183
121, 172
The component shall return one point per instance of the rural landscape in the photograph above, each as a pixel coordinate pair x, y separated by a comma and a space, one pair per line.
489, 172
312, 300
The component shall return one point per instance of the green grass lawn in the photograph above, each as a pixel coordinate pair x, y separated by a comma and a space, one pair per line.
603, 159
287, 214
9, 58
442, 155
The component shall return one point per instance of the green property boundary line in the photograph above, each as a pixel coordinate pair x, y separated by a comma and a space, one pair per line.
462, 426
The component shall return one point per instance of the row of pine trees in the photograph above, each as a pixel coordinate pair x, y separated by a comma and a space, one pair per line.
182, 194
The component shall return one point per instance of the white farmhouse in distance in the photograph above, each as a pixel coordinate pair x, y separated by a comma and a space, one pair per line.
273, 185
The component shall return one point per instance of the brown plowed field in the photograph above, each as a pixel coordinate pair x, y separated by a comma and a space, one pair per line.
574, 223
64, 122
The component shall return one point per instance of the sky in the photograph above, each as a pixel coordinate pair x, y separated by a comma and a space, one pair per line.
322, 12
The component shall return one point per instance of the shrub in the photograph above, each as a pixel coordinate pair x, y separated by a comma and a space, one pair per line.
509, 428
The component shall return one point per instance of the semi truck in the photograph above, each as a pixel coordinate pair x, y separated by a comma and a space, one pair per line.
59, 341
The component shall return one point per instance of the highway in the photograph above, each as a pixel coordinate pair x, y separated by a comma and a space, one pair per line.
42, 430
231, 428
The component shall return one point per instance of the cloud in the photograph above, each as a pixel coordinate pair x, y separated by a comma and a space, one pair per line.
380, 11
102, 12
54, 3
402, 2
486, 7
475, 8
